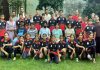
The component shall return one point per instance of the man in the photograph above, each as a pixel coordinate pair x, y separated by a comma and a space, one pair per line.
47, 15
37, 18
61, 20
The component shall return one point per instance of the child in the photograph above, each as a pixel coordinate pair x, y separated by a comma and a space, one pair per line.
71, 46
91, 43
62, 46
53, 51
6, 46
44, 45
18, 47
80, 46
27, 46
36, 48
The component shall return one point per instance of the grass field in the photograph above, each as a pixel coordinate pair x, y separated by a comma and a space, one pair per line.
29, 64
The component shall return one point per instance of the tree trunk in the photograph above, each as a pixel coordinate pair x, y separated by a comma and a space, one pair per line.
5, 6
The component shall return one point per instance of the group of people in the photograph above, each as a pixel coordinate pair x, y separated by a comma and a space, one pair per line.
52, 37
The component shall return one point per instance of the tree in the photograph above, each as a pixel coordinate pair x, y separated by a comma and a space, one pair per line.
93, 6
55, 4
5, 6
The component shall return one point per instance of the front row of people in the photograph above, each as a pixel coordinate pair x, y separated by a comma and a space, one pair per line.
49, 49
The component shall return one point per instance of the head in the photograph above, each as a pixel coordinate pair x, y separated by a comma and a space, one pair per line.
45, 25
72, 37
46, 11
21, 16
37, 12
69, 26
53, 38
91, 35
21, 39
32, 26
90, 22
61, 38
61, 13
27, 36
44, 36
13, 13
6, 35
86, 18
2, 17
79, 19
80, 35
57, 26
10, 18
69, 16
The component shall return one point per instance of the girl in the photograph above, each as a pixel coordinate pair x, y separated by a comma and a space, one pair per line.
91, 43
53, 51
6, 46
44, 45
27, 46
80, 46
62, 46
18, 47
69, 30
71, 46
36, 48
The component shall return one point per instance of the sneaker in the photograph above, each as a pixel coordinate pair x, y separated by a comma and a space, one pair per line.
46, 60
94, 61
14, 58
77, 60
89, 57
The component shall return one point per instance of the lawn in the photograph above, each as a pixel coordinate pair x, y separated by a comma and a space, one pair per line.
29, 64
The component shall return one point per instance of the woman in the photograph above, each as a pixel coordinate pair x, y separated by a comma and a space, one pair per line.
6, 46
27, 46
18, 47
11, 27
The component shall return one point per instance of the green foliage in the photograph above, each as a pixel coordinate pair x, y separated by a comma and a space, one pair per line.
92, 7
55, 4
15, 4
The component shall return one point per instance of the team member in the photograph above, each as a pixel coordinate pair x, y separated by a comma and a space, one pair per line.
61, 20
44, 45
18, 47
80, 47
52, 23
37, 19
6, 46
27, 46
2, 26
89, 28
71, 46
91, 44
78, 27
62, 46
43, 21
36, 48
53, 51
26, 22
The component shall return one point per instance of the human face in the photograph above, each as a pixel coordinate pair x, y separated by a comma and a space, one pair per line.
91, 36
6, 36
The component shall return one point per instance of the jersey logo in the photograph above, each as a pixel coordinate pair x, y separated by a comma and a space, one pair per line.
87, 43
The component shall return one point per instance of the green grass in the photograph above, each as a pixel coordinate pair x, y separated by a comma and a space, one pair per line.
29, 64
